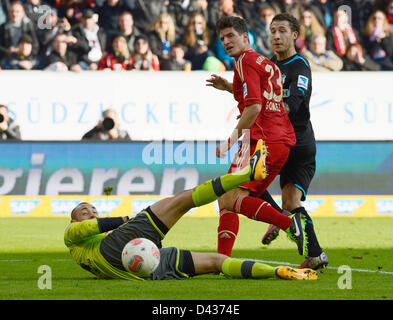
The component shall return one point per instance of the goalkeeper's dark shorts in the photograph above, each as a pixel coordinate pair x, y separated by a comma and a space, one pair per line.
174, 263
299, 168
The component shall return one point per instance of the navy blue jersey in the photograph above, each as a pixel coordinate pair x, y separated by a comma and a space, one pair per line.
296, 75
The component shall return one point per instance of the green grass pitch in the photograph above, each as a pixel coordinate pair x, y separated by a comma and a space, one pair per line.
363, 244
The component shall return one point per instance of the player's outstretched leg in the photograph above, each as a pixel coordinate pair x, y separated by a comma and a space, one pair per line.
208, 262
171, 209
250, 269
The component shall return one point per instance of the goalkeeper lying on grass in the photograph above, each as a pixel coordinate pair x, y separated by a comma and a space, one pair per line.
96, 243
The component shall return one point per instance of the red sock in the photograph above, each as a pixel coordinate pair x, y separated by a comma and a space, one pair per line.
260, 210
227, 231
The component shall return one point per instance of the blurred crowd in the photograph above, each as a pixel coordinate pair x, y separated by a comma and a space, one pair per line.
77, 35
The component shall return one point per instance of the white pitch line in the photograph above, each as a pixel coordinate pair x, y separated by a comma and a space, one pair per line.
333, 268
263, 261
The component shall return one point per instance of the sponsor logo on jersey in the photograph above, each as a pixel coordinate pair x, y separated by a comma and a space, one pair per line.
260, 59
347, 206
104, 206
245, 90
23, 206
63, 206
302, 82
384, 206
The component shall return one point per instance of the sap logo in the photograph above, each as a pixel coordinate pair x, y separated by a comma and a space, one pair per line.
23, 206
312, 204
347, 206
384, 206
63, 206
137, 205
105, 206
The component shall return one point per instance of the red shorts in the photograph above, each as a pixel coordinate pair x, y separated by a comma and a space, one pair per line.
277, 156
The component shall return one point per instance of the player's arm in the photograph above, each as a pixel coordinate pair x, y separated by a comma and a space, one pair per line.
298, 88
252, 98
246, 120
219, 83
79, 231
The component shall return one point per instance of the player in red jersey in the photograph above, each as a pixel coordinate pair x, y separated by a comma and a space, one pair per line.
257, 87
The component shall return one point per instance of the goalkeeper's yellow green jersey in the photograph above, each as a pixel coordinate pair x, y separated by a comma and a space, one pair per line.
83, 239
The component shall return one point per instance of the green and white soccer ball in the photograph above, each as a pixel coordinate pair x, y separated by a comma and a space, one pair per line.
140, 256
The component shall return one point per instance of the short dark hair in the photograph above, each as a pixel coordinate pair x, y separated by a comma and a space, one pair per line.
238, 23
293, 22
25, 39
73, 212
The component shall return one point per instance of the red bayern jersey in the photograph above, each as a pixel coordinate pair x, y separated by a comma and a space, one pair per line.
257, 80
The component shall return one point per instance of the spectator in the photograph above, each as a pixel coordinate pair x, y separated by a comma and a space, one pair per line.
72, 10
324, 10
22, 59
341, 34
360, 10
91, 40
247, 9
309, 26
9, 129
379, 40
107, 128
17, 25
261, 29
144, 58
387, 7
291, 6
62, 57
46, 35
4, 8
35, 9
146, 12
356, 60
127, 29
119, 58
109, 14
180, 11
321, 59
196, 38
176, 61
202, 7
161, 35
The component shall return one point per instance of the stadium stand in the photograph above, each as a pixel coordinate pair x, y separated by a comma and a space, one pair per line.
91, 25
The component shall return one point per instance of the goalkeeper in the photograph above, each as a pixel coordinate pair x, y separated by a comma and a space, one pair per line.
96, 243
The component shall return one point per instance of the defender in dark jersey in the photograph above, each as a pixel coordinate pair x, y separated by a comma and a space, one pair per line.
298, 171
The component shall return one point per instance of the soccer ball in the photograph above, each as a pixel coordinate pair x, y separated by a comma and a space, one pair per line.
140, 256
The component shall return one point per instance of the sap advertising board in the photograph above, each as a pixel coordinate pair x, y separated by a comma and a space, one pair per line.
178, 106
